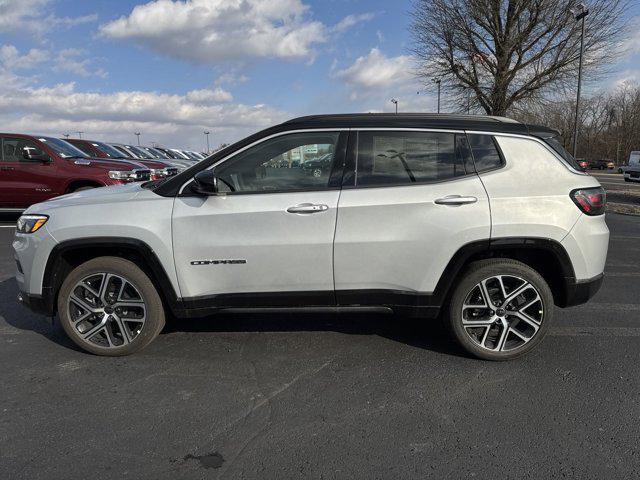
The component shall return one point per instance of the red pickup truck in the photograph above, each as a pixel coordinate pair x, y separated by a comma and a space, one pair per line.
34, 169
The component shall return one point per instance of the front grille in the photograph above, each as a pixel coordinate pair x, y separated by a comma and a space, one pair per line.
140, 174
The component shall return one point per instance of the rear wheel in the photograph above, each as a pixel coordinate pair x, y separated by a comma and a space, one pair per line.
109, 306
500, 310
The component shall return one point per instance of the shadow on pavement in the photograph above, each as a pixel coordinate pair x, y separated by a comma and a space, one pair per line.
19, 316
426, 334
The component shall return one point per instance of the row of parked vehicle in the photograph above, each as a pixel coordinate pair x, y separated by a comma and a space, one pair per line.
36, 168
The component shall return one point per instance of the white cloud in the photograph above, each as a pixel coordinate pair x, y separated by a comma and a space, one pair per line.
68, 60
32, 16
352, 20
207, 96
166, 118
210, 31
216, 30
376, 70
11, 59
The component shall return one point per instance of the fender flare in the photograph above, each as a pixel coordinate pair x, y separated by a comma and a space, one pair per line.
55, 268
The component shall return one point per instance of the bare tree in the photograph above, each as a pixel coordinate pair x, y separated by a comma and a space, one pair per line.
610, 122
509, 52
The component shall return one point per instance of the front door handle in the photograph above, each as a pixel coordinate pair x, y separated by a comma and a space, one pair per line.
455, 200
306, 208
7, 169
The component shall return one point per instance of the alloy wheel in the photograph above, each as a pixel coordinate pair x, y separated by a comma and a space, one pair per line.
107, 310
502, 313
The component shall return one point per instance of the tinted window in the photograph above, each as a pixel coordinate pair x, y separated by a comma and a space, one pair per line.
560, 150
300, 161
83, 147
12, 149
62, 148
485, 152
398, 158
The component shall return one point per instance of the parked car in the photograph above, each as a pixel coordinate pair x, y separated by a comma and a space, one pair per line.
319, 165
169, 153
159, 169
601, 165
34, 169
632, 171
487, 222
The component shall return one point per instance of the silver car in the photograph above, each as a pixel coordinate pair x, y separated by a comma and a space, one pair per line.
483, 221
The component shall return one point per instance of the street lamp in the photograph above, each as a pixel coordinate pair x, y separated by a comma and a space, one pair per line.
137, 134
66, 135
580, 13
439, 83
79, 134
395, 102
206, 133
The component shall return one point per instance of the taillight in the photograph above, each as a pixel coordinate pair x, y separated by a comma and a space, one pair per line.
591, 201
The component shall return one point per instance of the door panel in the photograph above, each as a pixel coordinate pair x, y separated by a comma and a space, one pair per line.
400, 238
266, 238
267, 248
24, 182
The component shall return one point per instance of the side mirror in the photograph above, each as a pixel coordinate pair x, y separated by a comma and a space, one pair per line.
205, 183
35, 155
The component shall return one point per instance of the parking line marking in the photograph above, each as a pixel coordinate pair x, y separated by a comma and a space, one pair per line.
622, 274
594, 332
629, 307
625, 237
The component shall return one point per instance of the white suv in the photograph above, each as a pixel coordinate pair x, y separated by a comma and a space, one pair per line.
482, 221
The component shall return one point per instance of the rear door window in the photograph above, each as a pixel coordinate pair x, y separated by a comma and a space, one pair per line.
405, 158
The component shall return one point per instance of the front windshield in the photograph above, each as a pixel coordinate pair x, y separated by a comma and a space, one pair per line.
141, 153
158, 153
108, 150
62, 148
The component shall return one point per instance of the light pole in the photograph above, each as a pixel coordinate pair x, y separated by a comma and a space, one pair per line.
439, 83
580, 13
137, 134
395, 102
79, 134
206, 134
66, 135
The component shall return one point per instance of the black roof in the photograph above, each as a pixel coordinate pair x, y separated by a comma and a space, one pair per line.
412, 120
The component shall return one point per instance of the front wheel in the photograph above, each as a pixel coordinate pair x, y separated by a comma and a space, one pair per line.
109, 306
500, 310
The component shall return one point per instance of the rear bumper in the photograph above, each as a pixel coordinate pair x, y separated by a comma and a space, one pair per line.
581, 291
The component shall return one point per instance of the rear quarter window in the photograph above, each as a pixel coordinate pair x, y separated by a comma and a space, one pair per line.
486, 154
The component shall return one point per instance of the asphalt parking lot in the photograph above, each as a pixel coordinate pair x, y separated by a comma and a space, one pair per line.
327, 397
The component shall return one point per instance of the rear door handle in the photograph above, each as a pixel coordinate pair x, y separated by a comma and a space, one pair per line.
306, 208
455, 200
6, 169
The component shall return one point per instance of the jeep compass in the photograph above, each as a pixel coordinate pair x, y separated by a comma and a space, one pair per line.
484, 222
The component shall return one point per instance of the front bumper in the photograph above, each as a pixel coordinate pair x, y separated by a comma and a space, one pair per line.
35, 303
581, 291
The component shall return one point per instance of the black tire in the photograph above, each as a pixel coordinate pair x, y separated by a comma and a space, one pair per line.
627, 180
154, 310
473, 275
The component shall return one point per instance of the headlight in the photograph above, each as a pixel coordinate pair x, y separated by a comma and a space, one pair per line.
31, 223
137, 175
157, 173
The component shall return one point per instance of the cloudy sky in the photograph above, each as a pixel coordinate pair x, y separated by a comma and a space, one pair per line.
171, 69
